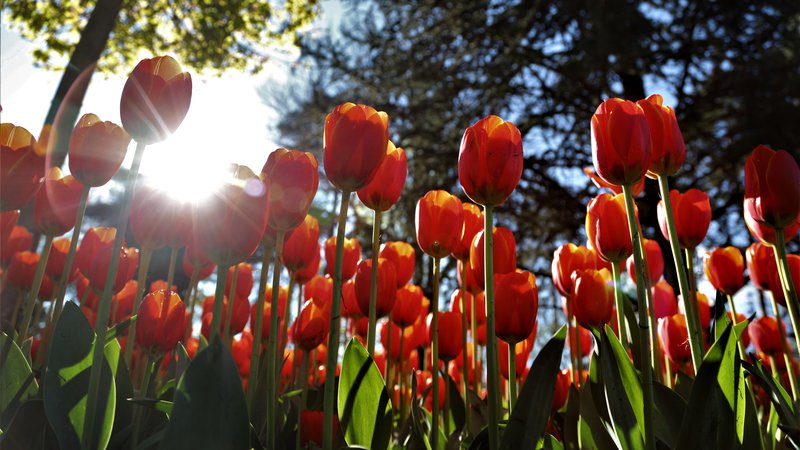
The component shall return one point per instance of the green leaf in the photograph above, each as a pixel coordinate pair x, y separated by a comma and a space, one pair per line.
457, 413
529, 419
365, 410
418, 439
784, 408
683, 385
17, 383
669, 410
548, 442
623, 391
593, 430
209, 409
572, 412
710, 420
29, 428
123, 415
158, 405
752, 429
66, 381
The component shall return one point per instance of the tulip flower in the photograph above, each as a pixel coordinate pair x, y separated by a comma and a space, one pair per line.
311, 268
774, 282
655, 261
439, 221
8, 220
194, 259
94, 239
636, 189
311, 423
401, 255
479, 301
311, 326
586, 344
350, 258
561, 390
387, 184
155, 99
57, 260
240, 350
407, 305
674, 337
621, 143
56, 204
490, 160
516, 303
293, 178
467, 277
449, 335
96, 150
692, 211
473, 223
319, 288
607, 227
766, 336
504, 251
350, 307
567, 259
158, 219
301, 244
244, 280
521, 351
356, 140
724, 268
266, 317
98, 268
18, 240
387, 286
123, 301
664, 301
22, 166
668, 151
22, 268
592, 297
702, 307
160, 321
772, 187
766, 234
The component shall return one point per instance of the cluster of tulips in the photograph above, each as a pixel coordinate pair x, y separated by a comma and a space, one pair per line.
442, 378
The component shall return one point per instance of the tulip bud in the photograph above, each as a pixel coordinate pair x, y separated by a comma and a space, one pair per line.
311, 267
655, 261
449, 335
387, 286
158, 219
620, 142
692, 212
301, 244
607, 227
439, 221
96, 150
521, 352
504, 251
22, 166
244, 281
293, 178
664, 301
401, 255
703, 308
674, 337
311, 326
18, 240
772, 187
22, 268
407, 305
516, 305
387, 184
473, 223
724, 268
567, 259
668, 152
160, 322
765, 335
356, 139
350, 256
765, 233
56, 205
592, 297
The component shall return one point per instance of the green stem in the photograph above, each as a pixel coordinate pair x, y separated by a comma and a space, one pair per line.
272, 342
73, 246
648, 298
787, 283
219, 299
493, 373
21, 296
695, 334
144, 265
464, 365
231, 306
512, 376
104, 308
173, 261
668, 368
284, 337
620, 305
333, 338
647, 372
473, 331
402, 377
689, 254
388, 351
787, 351
446, 415
150, 364
192, 298
255, 353
435, 355
373, 282
574, 337
34, 292
303, 394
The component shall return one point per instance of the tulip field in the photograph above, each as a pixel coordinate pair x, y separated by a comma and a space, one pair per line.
97, 353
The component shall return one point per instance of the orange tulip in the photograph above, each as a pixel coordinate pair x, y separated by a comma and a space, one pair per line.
668, 152
356, 139
96, 150
655, 261
760, 264
607, 227
160, 322
490, 160
387, 184
567, 259
56, 205
8, 220
319, 288
20, 239
350, 256
765, 335
480, 305
473, 223
94, 239
158, 219
439, 221
155, 99
449, 335
664, 301
401, 254
407, 305
516, 305
765, 233
311, 268
724, 268
592, 297
674, 337
244, 280
387, 286
620, 142
772, 187
301, 244
22, 269
58, 258
521, 352
702, 306
22, 166
293, 179
504, 252
311, 326
692, 212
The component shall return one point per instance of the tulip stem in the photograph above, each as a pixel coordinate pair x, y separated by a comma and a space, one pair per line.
303, 395
34, 292
619, 301
144, 265
512, 376
191, 296
402, 378
150, 364
648, 297
231, 306
435, 355
787, 283
464, 365
287, 304
493, 372
446, 415
668, 370
787, 351
373, 282
333, 337
273, 358
574, 350
73, 246
473, 331
693, 289
101, 320
388, 352
647, 372
255, 353
695, 334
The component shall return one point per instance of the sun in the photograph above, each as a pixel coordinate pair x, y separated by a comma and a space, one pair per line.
184, 172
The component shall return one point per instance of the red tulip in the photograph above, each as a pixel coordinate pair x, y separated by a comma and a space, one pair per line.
58, 258
636, 189
772, 187
311, 268
407, 305
158, 219
22, 269
471, 282
592, 297
350, 306
664, 301
775, 281
563, 381
301, 244
724, 268
387, 286
96, 150
607, 227
567, 259
193, 258
293, 178
266, 324
8, 220
356, 139
56, 204
283, 293
761, 264
655, 261
745, 336
311, 426
244, 280
401, 254
124, 300
516, 305
473, 223
22, 166
126, 269
20, 239
394, 349
703, 308
241, 349
765, 233
387, 184
160, 322
239, 315
668, 152
231, 223
155, 99
449, 335
504, 252
311, 326
674, 337
585, 337
480, 303
158, 285
319, 288
620, 142
490, 160
439, 221
521, 352
93, 240
692, 212
765, 335
350, 256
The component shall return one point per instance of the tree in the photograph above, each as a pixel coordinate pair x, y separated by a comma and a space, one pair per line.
209, 35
